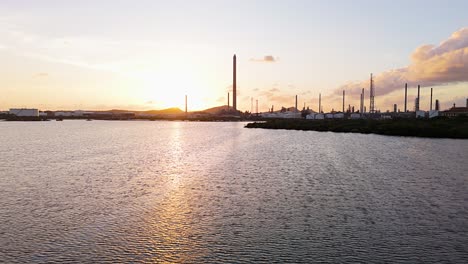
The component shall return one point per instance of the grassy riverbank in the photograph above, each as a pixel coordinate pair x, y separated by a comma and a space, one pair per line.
435, 128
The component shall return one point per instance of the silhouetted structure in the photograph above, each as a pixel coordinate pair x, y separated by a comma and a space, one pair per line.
234, 84
228, 102
295, 104
372, 95
185, 104
406, 96
437, 106
394, 108
320, 103
416, 103
343, 99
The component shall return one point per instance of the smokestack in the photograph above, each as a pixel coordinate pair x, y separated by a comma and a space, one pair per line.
417, 102
228, 102
234, 84
437, 106
431, 101
343, 99
320, 103
406, 95
185, 104
295, 110
394, 108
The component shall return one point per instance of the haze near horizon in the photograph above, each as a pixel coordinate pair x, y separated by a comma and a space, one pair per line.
148, 55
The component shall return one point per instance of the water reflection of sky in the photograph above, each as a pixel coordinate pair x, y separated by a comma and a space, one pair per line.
215, 192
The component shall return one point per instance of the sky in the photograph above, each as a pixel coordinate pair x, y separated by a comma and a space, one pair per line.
149, 54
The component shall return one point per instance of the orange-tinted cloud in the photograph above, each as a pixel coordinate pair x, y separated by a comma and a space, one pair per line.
267, 58
430, 66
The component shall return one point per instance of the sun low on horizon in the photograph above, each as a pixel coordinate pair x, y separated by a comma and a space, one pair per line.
100, 56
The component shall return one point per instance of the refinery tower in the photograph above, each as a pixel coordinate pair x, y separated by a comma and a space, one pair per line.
234, 97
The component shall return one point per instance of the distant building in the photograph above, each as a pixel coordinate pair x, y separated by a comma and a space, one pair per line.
355, 116
285, 115
24, 112
420, 114
64, 113
338, 115
319, 116
455, 111
433, 113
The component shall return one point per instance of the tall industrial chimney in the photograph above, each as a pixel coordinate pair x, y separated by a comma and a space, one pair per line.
320, 103
343, 99
295, 110
234, 98
417, 99
406, 95
185, 104
228, 102
437, 106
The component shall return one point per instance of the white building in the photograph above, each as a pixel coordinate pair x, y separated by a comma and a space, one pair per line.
420, 114
355, 116
433, 113
24, 112
319, 116
338, 115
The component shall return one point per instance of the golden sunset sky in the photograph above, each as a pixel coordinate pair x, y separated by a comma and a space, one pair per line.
140, 55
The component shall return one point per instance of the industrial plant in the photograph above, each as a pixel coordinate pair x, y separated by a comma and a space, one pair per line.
232, 113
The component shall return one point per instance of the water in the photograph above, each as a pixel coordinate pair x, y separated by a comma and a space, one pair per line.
194, 192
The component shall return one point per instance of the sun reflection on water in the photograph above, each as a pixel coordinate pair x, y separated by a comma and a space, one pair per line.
171, 222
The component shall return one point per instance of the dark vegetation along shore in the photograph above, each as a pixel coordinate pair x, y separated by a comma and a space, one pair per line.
435, 128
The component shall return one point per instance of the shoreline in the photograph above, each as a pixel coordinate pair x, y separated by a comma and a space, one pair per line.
456, 128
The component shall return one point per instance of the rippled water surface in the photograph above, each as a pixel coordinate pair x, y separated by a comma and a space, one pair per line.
194, 192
